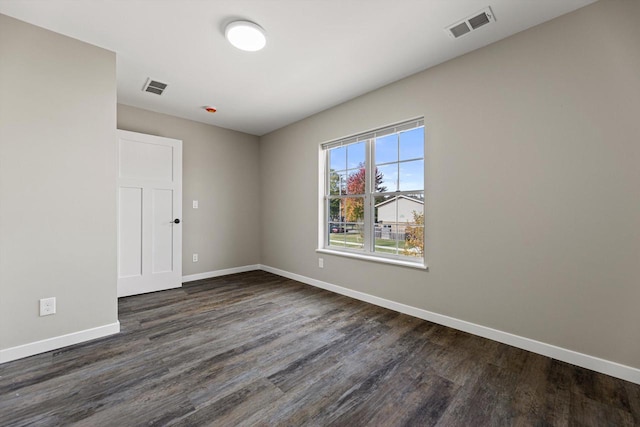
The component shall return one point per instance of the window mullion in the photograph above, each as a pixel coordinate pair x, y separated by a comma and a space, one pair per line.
327, 174
327, 227
325, 199
368, 189
398, 163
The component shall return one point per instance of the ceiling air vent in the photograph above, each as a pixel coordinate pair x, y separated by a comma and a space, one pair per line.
471, 23
154, 86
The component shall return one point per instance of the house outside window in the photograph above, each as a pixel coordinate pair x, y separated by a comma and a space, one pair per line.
373, 194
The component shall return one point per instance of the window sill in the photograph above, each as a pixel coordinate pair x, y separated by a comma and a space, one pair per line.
381, 260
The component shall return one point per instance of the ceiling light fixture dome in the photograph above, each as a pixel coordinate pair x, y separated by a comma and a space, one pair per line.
245, 35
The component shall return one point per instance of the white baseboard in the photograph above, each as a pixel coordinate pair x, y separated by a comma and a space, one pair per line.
26, 350
54, 343
607, 367
226, 271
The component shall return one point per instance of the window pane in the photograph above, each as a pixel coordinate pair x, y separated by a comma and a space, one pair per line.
399, 227
335, 183
336, 226
412, 175
378, 185
411, 212
353, 209
387, 176
354, 235
335, 213
356, 179
414, 241
355, 155
349, 235
411, 209
412, 144
385, 229
386, 240
337, 234
338, 158
387, 149
343, 183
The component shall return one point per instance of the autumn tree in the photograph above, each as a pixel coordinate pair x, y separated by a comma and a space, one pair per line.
414, 236
356, 182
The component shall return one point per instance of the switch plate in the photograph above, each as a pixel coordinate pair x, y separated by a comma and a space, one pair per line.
321, 262
195, 257
47, 306
195, 204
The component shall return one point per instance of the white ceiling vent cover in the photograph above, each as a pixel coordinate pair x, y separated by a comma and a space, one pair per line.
470, 23
154, 86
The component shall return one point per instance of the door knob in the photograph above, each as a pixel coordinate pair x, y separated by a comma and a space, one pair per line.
177, 221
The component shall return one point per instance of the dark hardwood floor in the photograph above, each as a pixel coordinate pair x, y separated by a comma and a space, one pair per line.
259, 349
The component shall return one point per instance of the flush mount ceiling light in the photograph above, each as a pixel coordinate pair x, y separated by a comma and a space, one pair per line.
245, 35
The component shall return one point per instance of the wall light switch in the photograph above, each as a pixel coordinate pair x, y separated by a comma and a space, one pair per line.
195, 204
47, 306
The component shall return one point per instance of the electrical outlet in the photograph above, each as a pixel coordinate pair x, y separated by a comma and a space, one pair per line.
195, 257
47, 306
195, 204
321, 262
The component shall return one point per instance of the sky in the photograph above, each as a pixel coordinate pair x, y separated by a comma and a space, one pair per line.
398, 156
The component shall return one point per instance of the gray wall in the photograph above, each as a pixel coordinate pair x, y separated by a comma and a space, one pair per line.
57, 183
532, 173
221, 171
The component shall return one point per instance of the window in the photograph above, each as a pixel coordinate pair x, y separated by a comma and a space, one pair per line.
374, 194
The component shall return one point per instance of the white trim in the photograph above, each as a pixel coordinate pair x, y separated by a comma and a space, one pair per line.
216, 273
37, 347
337, 141
322, 175
597, 364
373, 258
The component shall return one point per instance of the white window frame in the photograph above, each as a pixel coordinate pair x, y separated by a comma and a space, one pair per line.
368, 253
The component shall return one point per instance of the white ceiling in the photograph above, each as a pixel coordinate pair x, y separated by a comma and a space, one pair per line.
319, 53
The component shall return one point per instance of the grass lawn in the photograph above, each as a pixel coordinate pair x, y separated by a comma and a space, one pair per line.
354, 240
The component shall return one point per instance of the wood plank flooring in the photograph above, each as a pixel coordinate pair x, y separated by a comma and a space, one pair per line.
256, 349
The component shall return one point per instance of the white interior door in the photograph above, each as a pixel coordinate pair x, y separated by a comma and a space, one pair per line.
149, 213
